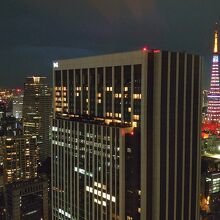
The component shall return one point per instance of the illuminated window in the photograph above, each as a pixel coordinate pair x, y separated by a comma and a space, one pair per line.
136, 117
137, 96
101, 194
134, 124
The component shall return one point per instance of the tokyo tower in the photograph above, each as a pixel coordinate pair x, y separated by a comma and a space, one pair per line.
213, 112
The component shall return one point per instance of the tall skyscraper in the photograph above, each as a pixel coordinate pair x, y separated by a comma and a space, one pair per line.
213, 113
125, 136
37, 112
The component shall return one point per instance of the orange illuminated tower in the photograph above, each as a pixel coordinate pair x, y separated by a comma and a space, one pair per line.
214, 91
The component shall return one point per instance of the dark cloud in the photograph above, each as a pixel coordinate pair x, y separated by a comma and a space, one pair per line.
35, 32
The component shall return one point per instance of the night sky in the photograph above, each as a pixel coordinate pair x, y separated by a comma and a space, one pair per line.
36, 32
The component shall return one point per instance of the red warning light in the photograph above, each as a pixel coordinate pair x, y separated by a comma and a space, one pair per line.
156, 51
132, 133
145, 49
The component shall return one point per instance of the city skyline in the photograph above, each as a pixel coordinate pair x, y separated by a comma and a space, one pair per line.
36, 33
109, 110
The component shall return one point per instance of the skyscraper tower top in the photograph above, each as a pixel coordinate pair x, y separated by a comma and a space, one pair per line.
216, 48
214, 91
36, 80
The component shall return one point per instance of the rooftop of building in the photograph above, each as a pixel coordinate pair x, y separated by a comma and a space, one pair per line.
111, 122
25, 183
125, 57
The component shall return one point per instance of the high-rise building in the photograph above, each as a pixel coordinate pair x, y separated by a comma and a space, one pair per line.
2, 109
37, 112
125, 136
20, 157
213, 114
17, 106
27, 199
9, 125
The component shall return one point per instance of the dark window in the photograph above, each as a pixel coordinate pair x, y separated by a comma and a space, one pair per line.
180, 147
196, 115
188, 132
92, 91
172, 127
64, 78
57, 78
163, 135
149, 171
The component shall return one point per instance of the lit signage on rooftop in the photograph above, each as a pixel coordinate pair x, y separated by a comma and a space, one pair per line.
55, 64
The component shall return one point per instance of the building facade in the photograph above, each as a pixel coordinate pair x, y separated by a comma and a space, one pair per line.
17, 106
2, 109
27, 199
125, 140
37, 112
213, 112
20, 157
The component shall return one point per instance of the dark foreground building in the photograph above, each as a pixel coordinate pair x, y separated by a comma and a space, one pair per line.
125, 137
27, 200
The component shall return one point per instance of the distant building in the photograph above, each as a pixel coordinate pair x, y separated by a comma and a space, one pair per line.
212, 183
18, 106
126, 136
27, 200
37, 112
2, 109
210, 186
2, 205
213, 112
20, 156
10, 126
